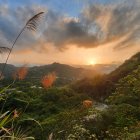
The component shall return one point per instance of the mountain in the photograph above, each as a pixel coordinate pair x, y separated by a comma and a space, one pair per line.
102, 86
101, 68
61, 70
65, 73
9, 69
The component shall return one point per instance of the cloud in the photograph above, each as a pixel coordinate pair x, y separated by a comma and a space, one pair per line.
97, 24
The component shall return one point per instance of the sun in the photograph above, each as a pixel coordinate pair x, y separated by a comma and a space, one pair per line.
91, 62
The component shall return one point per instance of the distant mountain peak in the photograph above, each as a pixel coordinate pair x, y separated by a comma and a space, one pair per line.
56, 63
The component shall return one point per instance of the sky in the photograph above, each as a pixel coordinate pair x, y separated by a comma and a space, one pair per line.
76, 32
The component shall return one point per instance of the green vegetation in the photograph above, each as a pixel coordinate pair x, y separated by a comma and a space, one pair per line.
58, 112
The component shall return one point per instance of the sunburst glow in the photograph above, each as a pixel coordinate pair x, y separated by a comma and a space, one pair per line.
92, 62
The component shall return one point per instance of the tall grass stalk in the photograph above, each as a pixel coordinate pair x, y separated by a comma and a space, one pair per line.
31, 24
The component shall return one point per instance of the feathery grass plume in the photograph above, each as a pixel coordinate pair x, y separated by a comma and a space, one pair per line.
15, 114
14, 75
87, 103
31, 24
50, 136
2, 76
21, 73
48, 80
4, 49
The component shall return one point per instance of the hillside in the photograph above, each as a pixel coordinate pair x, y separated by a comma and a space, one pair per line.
101, 87
61, 70
65, 73
9, 69
56, 107
127, 67
101, 68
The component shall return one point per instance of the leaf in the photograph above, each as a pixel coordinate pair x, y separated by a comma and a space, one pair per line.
6, 88
31, 119
4, 114
16, 138
4, 129
5, 120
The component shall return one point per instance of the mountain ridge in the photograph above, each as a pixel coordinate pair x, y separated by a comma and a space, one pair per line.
65, 73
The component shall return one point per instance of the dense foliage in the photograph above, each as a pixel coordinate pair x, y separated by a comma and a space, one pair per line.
51, 112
